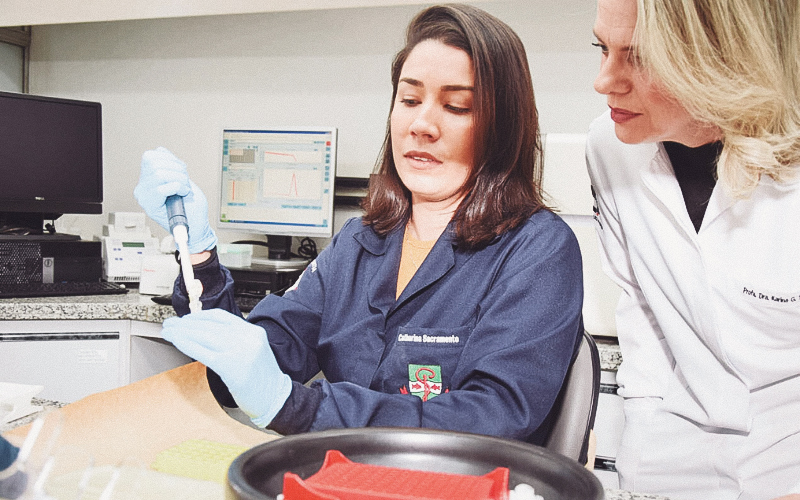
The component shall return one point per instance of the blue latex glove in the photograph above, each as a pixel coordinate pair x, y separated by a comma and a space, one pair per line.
163, 175
239, 353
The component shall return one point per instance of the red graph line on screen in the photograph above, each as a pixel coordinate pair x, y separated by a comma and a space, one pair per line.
293, 186
284, 186
233, 196
275, 153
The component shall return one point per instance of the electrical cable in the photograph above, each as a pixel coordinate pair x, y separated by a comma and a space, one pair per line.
15, 230
307, 248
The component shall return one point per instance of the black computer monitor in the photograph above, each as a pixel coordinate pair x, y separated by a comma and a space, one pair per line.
278, 182
51, 160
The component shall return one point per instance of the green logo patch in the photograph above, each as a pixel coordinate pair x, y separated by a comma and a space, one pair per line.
425, 381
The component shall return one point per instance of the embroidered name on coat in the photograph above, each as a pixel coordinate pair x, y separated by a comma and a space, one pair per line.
429, 339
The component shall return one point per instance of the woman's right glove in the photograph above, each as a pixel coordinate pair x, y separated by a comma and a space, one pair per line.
163, 175
239, 353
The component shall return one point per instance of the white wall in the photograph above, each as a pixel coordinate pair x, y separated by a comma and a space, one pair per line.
178, 82
10, 67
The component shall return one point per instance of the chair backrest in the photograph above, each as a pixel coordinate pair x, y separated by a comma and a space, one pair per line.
574, 410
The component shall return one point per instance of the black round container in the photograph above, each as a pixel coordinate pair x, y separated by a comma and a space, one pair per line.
257, 474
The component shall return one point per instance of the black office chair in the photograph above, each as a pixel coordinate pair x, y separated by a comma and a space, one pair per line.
572, 416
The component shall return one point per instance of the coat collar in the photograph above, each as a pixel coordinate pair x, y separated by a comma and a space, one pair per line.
383, 285
372, 242
438, 262
721, 200
658, 177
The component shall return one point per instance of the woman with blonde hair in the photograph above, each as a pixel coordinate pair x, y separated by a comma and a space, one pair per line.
695, 174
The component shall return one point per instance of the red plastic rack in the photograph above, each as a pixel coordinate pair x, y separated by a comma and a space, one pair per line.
339, 478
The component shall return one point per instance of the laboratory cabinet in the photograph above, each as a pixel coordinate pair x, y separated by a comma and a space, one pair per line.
75, 358
71, 359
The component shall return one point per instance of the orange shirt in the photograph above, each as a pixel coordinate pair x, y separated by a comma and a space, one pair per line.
413, 255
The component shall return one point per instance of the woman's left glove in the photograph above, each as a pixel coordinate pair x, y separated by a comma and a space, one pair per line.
239, 353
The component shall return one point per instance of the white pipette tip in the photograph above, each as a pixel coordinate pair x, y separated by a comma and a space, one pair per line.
30, 440
193, 287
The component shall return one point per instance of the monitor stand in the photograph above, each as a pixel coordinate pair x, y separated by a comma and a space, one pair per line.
280, 247
280, 255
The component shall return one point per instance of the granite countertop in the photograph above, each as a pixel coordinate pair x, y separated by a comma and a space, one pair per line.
46, 406
610, 355
131, 305
134, 306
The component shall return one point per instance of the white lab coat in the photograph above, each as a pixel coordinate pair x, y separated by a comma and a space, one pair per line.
706, 319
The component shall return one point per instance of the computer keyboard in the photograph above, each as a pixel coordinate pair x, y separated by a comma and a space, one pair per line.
68, 288
246, 303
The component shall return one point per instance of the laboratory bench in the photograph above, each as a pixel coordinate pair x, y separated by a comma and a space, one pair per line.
77, 346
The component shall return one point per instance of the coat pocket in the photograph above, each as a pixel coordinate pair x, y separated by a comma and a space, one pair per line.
422, 361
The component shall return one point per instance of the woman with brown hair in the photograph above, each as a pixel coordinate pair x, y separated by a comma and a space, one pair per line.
454, 303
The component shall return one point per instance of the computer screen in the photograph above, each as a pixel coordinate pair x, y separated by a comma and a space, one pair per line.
278, 181
51, 158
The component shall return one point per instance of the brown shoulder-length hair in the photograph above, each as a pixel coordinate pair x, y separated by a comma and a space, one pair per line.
504, 186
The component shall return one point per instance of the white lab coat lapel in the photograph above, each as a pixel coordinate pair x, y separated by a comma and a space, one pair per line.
659, 177
720, 201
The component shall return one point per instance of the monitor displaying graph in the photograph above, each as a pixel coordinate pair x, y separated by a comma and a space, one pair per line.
278, 181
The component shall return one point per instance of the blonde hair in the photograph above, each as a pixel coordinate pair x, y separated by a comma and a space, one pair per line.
734, 64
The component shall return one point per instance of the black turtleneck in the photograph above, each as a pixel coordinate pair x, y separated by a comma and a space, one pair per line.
695, 169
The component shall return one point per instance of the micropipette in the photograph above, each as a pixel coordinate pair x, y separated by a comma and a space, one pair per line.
179, 227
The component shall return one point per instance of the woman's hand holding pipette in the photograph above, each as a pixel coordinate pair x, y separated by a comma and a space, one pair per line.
162, 175
239, 353
164, 188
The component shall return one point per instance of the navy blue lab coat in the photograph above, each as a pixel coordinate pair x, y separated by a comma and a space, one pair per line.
479, 341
